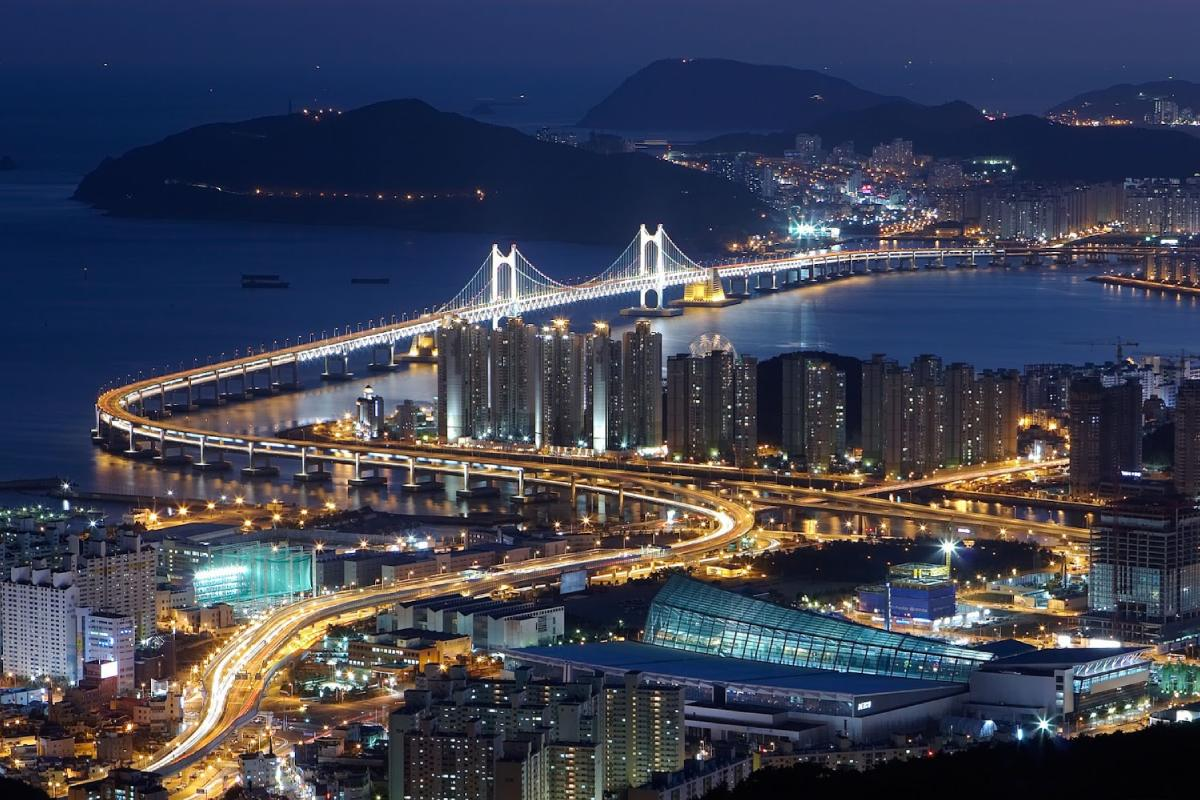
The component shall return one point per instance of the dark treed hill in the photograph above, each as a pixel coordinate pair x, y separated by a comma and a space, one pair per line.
1132, 101
403, 163
11, 789
709, 94
1042, 150
770, 395
1147, 765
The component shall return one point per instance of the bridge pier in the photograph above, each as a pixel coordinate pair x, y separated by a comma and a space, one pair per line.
252, 388
317, 474
171, 454
766, 288
278, 384
742, 293
385, 364
218, 464
429, 483
215, 399
260, 465
470, 492
367, 474
342, 373
241, 394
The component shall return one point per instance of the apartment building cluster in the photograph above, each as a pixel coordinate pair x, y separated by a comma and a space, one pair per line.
919, 418
583, 738
548, 386
91, 603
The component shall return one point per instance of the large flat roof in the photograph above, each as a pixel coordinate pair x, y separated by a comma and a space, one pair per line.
687, 667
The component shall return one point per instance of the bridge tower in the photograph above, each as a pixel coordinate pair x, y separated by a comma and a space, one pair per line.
652, 264
500, 261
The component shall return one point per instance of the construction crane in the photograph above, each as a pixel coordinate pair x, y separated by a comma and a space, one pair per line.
1119, 343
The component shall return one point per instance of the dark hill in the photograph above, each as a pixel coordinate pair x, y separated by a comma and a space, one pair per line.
1042, 150
721, 95
403, 163
1132, 101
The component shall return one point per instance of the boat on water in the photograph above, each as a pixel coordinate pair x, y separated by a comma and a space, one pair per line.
263, 281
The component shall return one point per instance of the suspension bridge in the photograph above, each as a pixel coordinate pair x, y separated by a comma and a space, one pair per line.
505, 285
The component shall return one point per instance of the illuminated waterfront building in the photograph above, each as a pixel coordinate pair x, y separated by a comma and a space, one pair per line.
514, 381
814, 411
641, 387
369, 408
462, 372
602, 397
712, 399
560, 390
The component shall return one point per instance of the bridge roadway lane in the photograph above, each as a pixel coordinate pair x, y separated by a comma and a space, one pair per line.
260, 648
856, 503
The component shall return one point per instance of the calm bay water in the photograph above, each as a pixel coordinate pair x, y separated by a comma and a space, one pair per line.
91, 300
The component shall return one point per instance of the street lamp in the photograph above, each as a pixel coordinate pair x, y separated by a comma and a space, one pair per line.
948, 547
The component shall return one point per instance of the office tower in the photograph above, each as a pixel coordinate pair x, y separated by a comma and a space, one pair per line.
1000, 414
641, 386
120, 784
107, 637
603, 401
514, 381
644, 731
1145, 571
1106, 434
712, 397
38, 622
118, 575
963, 424
814, 411
1187, 439
559, 395
462, 373
369, 417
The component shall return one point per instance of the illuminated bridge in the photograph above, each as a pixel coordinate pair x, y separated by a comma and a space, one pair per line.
505, 285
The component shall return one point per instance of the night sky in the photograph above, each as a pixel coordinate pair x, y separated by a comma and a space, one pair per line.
218, 59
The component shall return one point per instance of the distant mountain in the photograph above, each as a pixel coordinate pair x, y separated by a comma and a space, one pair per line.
1042, 150
403, 163
720, 95
865, 128
1131, 101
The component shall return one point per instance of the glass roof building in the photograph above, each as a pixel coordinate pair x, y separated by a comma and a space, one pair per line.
697, 617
